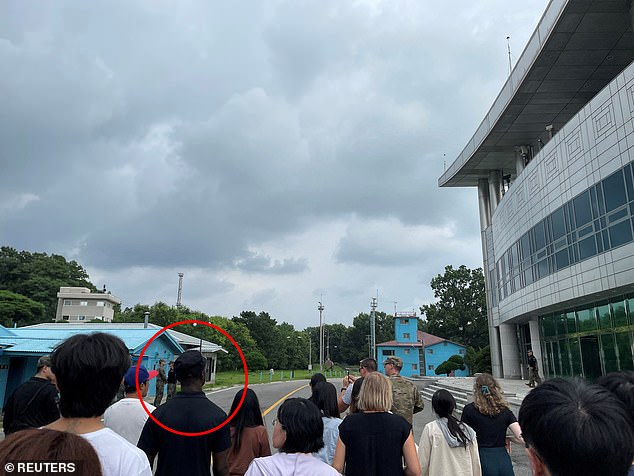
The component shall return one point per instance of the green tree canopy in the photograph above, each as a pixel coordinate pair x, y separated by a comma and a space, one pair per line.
455, 362
18, 309
268, 336
355, 343
39, 276
460, 312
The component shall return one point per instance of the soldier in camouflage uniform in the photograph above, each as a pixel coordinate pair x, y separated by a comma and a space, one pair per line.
406, 397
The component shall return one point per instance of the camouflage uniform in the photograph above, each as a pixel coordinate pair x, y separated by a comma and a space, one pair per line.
406, 398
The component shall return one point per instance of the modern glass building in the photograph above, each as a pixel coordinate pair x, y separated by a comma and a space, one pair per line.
553, 161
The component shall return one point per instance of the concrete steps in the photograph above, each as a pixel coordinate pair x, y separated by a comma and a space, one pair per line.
461, 396
461, 389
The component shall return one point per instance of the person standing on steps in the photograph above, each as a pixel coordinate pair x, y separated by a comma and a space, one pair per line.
533, 371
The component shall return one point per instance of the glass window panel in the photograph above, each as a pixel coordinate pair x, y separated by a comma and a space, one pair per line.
619, 315
610, 362
566, 369
561, 243
548, 326
593, 202
587, 320
572, 322
624, 347
616, 216
525, 248
585, 231
600, 203
604, 316
562, 259
587, 248
558, 223
614, 191
540, 235
581, 206
542, 268
575, 356
557, 357
629, 185
620, 233
549, 359
528, 276
561, 324
602, 244
630, 308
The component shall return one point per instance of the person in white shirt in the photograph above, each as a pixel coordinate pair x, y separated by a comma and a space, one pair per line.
89, 369
127, 416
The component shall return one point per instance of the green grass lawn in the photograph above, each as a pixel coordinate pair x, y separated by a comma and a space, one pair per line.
229, 378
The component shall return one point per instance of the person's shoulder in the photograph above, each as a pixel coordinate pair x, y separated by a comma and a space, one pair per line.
114, 446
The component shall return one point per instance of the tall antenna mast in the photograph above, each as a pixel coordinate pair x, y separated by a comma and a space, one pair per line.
373, 304
180, 291
508, 47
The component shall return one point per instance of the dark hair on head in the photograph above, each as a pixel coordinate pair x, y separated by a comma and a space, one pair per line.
51, 446
577, 429
316, 378
325, 397
88, 370
354, 396
301, 419
621, 384
44, 361
369, 364
444, 404
248, 416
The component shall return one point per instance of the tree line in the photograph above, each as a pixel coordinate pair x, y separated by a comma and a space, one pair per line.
29, 283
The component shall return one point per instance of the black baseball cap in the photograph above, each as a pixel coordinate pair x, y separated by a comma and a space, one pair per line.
189, 364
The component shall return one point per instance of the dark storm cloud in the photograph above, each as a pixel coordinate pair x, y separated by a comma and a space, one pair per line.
155, 136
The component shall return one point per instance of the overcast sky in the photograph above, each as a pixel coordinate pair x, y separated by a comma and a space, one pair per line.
277, 153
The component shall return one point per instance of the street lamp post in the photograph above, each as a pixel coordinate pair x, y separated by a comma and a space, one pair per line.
320, 308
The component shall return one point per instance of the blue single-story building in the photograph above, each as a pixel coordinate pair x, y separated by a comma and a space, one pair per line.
21, 347
421, 352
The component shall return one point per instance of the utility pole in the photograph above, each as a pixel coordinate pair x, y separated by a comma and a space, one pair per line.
373, 328
320, 308
310, 353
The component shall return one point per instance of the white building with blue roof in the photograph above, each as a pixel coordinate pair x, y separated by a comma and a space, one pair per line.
21, 347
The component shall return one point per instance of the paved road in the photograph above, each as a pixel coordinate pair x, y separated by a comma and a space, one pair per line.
273, 394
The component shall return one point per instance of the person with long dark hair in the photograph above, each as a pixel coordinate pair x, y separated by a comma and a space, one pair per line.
249, 438
490, 416
448, 446
325, 397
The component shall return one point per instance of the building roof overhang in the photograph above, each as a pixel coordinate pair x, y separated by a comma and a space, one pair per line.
578, 47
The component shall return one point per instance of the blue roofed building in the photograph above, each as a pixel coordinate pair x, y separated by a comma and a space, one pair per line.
421, 352
21, 347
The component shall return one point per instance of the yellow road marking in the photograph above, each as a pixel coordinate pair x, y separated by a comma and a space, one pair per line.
282, 399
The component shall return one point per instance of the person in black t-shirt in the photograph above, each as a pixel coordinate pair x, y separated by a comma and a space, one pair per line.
171, 381
374, 441
34, 403
489, 415
188, 411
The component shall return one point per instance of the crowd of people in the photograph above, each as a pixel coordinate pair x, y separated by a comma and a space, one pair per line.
64, 415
